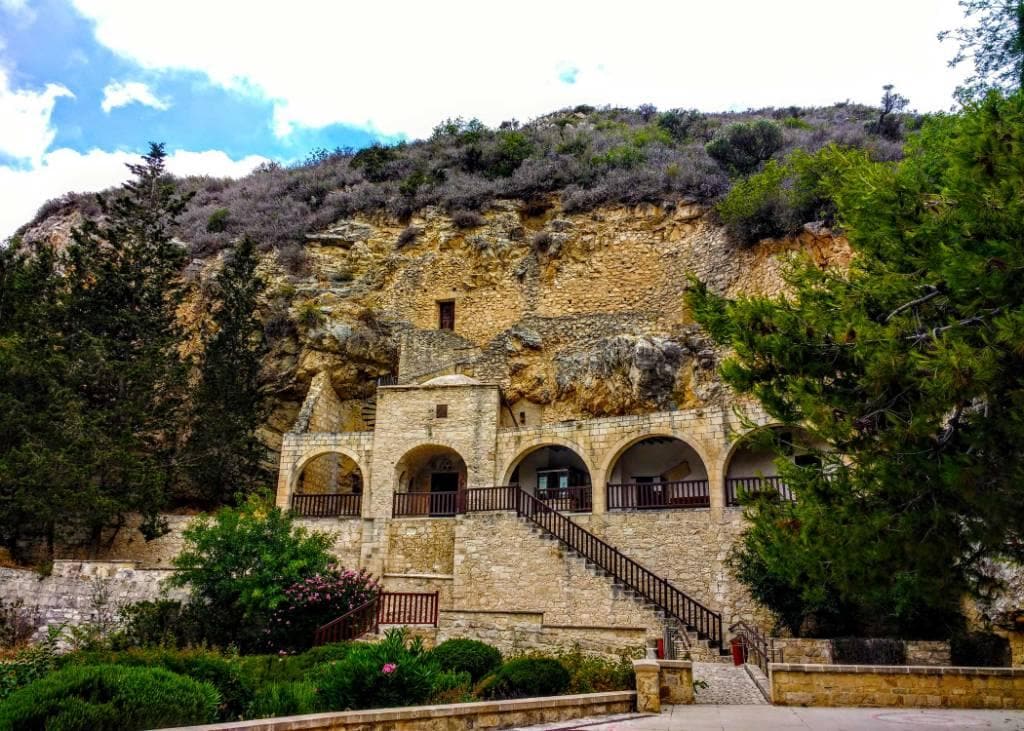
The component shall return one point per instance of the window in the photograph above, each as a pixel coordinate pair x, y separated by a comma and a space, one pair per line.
446, 315
441, 411
522, 418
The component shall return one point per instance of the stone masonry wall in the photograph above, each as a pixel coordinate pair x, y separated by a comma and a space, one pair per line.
501, 565
880, 686
420, 546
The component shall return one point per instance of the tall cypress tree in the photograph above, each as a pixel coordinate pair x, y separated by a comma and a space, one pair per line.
223, 457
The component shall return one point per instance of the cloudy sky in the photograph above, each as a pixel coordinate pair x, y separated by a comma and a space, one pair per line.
227, 84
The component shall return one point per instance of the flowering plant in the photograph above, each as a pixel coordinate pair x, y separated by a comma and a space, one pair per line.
388, 668
314, 602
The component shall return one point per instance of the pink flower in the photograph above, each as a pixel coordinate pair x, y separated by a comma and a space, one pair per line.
388, 668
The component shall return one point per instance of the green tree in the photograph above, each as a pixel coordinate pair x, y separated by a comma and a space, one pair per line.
994, 42
119, 328
223, 455
238, 564
909, 364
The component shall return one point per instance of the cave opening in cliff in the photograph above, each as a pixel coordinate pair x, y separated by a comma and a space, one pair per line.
556, 475
658, 472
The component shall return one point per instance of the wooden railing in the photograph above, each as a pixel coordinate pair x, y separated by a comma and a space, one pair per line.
351, 625
736, 488
436, 504
568, 499
407, 608
326, 505
387, 607
678, 494
623, 569
480, 499
757, 649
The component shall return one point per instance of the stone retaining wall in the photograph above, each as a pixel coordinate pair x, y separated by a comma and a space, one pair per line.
486, 715
810, 651
896, 685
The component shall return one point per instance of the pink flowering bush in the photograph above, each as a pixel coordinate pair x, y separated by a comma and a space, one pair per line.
314, 602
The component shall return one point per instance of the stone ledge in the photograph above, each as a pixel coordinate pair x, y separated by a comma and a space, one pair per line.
408, 717
895, 669
591, 626
523, 612
437, 577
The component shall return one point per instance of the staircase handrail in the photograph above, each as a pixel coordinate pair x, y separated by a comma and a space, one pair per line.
757, 644
661, 592
336, 629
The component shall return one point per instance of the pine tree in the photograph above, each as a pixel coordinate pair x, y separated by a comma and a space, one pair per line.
910, 367
994, 42
223, 457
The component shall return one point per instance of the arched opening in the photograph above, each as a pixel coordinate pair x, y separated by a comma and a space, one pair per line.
752, 467
658, 473
328, 485
556, 475
428, 479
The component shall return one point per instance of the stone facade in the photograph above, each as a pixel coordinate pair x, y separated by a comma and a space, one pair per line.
810, 651
924, 687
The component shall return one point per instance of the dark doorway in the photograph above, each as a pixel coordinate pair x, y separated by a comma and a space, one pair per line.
444, 481
446, 315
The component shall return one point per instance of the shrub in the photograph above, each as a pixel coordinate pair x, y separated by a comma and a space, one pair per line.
868, 651
469, 656
218, 221
467, 219
597, 674
30, 664
391, 672
406, 237
309, 315
526, 677
17, 623
452, 687
759, 207
109, 698
239, 564
160, 623
741, 148
376, 162
979, 649
541, 241
221, 672
313, 602
284, 699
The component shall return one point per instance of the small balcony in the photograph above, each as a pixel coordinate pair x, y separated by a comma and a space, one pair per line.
674, 495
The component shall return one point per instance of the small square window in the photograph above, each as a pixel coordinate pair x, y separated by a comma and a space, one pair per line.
441, 411
522, 418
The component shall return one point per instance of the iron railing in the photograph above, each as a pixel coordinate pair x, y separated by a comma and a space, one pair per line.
568, 499
387, 607
737, 488
387, 380
757, 649
678, 494
326, 505
623, 569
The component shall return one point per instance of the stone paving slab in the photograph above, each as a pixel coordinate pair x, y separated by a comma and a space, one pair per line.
727, 685
769, 718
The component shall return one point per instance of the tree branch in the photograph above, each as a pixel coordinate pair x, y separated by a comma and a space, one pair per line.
934, 292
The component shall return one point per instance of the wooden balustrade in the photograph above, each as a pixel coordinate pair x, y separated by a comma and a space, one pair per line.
678, 494
568, 499
736, 488
387, 607
421, 504
326, 505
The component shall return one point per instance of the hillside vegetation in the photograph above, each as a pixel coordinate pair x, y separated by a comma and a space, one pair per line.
587, 156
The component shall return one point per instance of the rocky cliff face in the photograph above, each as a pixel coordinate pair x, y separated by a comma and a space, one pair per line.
573, 315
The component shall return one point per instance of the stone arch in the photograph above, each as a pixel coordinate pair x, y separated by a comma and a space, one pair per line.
414, 471
312, 454
635, 439
540, 443
744, 469
658, 470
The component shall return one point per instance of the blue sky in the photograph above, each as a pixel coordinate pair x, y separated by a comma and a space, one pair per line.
227, 84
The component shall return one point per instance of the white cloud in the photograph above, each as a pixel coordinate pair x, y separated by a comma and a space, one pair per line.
25, 119
66, 170
122, 93
402, 66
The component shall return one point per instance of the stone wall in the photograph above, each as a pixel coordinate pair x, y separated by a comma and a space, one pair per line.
420, 546
77, 591
347, 536
501, 565
810, 651
899, 685
515, 632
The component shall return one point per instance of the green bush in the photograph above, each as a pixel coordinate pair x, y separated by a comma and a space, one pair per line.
452, 687
979, 649
284, 699
469, 656
526, 677
109, 698
388, 673
221, 672
161, 623
258, 670
597, 674
218, 221
30, 664
868, 651
741, 148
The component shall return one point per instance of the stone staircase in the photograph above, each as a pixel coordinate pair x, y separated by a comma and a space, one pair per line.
368, 412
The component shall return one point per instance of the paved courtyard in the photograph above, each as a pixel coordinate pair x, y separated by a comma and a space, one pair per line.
726, 685
769, 718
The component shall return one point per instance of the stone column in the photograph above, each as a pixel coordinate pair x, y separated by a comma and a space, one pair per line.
676, 681
648, 686
599, 493
716, 483
290, 453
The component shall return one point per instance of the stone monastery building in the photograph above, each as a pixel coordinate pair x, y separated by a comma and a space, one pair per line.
433, 499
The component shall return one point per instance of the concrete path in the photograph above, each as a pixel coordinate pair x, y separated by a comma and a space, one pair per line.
727, 685
769, 718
